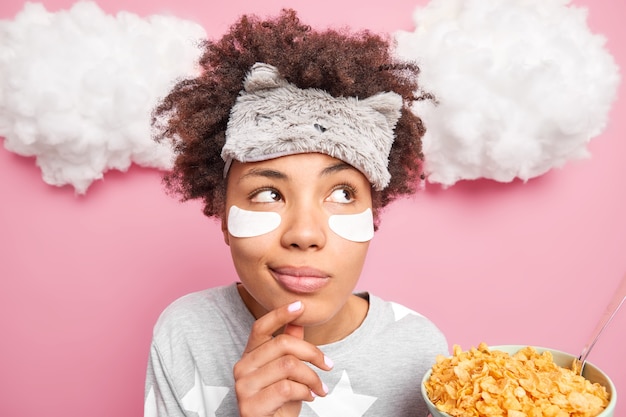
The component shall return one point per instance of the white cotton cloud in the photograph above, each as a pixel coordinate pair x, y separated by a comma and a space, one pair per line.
77, 87
522, 86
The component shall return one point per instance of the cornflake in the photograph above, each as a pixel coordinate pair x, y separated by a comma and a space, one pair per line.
491, 383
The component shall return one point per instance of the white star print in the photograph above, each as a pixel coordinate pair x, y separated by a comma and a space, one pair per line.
401, 311
342, 401
150, 407
204, 399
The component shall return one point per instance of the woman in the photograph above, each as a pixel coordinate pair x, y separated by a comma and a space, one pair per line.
295, 139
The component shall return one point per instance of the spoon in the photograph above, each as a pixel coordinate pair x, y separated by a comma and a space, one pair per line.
611, 309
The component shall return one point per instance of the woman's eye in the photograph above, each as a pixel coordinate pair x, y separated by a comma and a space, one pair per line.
266, 196
341, 195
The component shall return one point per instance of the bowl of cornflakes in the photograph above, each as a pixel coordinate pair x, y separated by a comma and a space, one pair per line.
515, 381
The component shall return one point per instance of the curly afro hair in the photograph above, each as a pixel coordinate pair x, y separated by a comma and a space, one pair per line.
194, 115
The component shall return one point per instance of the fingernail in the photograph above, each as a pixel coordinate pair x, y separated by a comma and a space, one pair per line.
325, 388
314, 394
295, 306
328, 361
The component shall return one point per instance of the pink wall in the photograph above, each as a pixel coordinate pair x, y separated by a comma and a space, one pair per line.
82, 279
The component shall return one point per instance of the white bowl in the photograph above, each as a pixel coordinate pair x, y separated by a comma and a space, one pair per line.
591, 372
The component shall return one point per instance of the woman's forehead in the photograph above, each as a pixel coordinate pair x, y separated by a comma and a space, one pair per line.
296, 160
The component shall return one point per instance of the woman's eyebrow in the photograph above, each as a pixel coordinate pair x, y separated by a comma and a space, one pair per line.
339, 166
265, 173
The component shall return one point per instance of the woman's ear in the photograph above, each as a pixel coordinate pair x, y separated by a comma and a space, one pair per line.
225, 230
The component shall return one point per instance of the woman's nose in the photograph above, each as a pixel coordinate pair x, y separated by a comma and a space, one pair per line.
304, 227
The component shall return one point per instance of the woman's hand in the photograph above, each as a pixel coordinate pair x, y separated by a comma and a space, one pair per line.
272, 378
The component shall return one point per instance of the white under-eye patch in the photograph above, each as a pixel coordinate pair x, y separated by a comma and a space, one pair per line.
354, 227
245, 223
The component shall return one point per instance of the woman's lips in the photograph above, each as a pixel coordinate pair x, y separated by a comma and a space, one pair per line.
300, 280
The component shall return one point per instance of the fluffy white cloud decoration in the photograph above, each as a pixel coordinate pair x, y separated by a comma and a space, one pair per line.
522, 86
77, 87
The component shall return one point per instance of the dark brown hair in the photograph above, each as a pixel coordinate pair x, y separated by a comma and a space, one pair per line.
195, 113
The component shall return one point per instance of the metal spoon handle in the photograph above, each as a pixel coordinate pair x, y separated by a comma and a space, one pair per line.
611, 309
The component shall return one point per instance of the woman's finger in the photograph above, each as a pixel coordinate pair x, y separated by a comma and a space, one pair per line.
278, 347
285, 368
286, 396
274, 372
265, 327
295, 331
